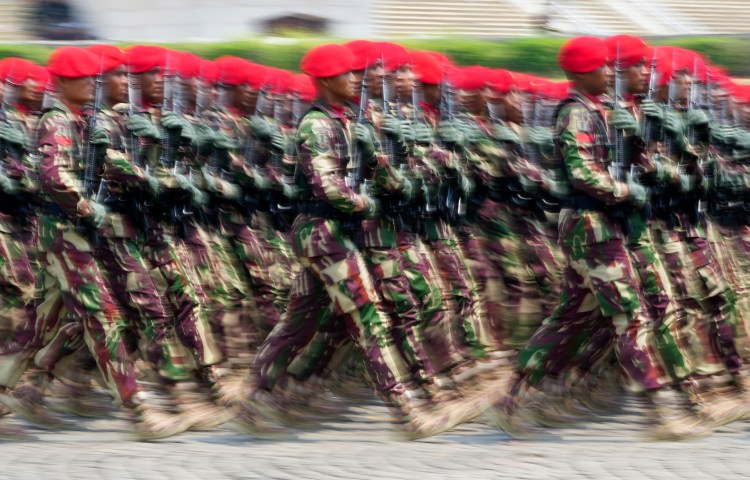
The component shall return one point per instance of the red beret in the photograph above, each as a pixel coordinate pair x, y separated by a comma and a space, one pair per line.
327, 61
188, 64
142, 58
111, 56
474, 78
500, 80
427, 69
454, 75
582, 54
73, 62
208, 71
304, 87
40, 75
632, 50
257, 75
232, 70
365, 54
394, 55
444, 59
279, 80
15, 70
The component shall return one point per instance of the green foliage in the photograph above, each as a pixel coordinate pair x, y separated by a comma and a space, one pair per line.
537, 55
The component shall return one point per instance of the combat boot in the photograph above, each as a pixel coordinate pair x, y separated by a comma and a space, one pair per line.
9, 433
250, 420
154, 413
672, 417
197, 409
74, 399
507, 414
27, 402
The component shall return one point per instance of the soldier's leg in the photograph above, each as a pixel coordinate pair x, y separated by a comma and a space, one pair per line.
400, 304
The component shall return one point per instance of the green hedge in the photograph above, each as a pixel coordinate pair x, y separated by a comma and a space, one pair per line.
533, 55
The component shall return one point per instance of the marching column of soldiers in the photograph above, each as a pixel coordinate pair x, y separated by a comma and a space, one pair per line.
193, 242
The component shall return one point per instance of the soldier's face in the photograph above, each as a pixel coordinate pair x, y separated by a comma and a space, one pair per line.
340, 87
31, 94
402, 83
77, 91
116, 86
636, 78
512, 103
431, 94
357, 79
152, 86
375, 81
593, 83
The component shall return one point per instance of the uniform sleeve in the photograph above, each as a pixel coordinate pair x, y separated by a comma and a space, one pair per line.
586, 172
316, 144
58, 174
117, 165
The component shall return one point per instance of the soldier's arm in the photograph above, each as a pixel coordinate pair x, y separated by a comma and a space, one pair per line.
578, 145
317, 149
57, 173
117, 164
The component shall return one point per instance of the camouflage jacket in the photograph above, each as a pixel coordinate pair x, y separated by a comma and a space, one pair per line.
582, 144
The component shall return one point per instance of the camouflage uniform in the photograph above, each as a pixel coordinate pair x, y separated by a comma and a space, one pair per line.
167, 258
333, 268
70, 278
600, 288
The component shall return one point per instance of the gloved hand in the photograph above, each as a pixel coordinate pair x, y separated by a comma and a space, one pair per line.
674, 127
542, 139
97, 215
8, 185
408, 131
687, 183
696, 118
365, 135
12, 134
503, 133
279, 141
153, 185
555, 187
260, 178
197, 197
212, 185
408, 182
625, 121
222, 141
260, 128
528, 185
637, 193
450, 132
205, 137
373, 205
99, 141
652, 109
391, 126
142, 127
466, 184
289, 190
472, 133
183, 182
423, 134
178, 124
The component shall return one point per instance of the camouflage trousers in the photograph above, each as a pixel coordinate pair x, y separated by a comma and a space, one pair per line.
175, 280
339, 280
228, 300
151, 322
420, 269
71, 283
400, 304
600, 290
16, 281
731, 247
461, 289
518, 247
266, 258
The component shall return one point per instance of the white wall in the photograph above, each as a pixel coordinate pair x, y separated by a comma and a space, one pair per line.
170, 20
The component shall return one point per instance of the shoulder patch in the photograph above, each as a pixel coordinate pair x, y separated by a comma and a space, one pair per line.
582, 120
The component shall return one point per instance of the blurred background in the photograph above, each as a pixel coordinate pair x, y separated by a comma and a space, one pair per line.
179, 20
277, 32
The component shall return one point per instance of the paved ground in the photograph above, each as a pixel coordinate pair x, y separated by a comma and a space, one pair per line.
366, 448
